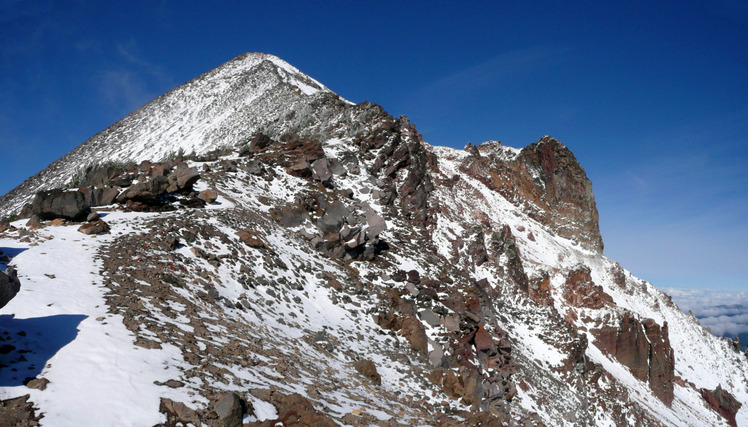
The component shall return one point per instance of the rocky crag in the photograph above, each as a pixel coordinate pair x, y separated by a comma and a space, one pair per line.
290, 257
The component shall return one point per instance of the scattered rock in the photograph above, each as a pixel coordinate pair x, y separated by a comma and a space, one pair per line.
93, 217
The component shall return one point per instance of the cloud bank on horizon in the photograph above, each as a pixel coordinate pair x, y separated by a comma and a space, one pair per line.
724, 313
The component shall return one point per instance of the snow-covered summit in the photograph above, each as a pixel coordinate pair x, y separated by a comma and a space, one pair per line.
254, 92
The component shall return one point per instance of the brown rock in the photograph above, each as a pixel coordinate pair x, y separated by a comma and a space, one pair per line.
483, 340
581, 291
415, 333
34, 222
18, 412
98, 227
368, 369
252, 238
208, 196
645, 349
723, 402
178, 412
294, 410
38, 383
547, 182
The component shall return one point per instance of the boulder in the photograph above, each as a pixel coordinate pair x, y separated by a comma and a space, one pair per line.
186, 177
376, 224
259, 143
92, 217
368, 369
178, 412
145, 190
34, 222
56, 203
208, 196
99, 196
4, 225
230, 408
98, 227
9, 286
333, 218
321, 171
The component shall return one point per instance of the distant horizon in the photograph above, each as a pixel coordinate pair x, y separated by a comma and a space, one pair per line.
649, 97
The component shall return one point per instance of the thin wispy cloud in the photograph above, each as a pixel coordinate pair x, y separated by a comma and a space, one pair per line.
133, 82
129, 52
502, 67
123, 90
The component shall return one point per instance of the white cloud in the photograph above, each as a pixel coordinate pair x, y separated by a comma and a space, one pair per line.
725, 313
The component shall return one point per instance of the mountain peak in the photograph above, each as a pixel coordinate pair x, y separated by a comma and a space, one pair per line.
252, 93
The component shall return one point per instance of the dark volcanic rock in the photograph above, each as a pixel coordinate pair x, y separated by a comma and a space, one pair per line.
9, 286
53, 204
99, 196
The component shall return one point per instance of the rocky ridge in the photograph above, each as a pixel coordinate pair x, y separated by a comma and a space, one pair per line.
336, 267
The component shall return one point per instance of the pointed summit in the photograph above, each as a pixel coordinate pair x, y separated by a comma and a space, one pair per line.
254, 92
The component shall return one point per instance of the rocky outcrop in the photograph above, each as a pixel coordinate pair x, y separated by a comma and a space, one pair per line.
9, 286
546, 181
580, 291
643, 347
723, 403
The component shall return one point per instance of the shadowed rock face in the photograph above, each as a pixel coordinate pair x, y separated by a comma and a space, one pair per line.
9, 286
547, 182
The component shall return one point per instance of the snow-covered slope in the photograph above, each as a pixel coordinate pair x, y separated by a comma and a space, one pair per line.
349, 274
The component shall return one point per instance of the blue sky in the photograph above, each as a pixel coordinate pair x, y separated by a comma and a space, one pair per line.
650, 96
